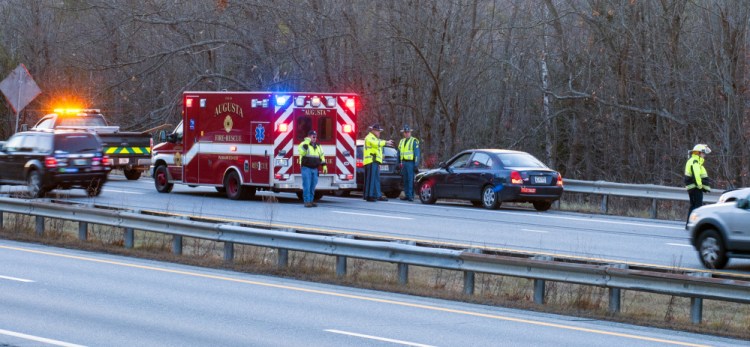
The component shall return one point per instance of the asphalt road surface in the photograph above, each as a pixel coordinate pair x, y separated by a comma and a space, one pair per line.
61, 297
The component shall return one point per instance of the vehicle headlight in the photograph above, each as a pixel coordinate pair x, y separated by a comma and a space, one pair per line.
693, 217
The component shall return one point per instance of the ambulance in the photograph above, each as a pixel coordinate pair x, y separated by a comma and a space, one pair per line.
243, 142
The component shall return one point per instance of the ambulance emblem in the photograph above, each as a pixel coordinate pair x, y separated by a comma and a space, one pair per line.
228, 124
260, 133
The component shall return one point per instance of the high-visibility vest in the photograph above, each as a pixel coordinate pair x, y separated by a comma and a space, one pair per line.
312, 156
407, 148
373, 150
695, 173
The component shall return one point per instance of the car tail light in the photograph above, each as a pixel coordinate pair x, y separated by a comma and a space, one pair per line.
50, 162
106, 161
360, 163
515, 177
559, 181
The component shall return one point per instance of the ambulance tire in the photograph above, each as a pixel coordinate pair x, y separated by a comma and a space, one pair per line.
161, 180
234, 188
132, 174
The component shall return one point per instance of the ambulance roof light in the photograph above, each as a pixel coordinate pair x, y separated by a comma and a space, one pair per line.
331, 101
315, 101
281, 100
350, 103
299, 101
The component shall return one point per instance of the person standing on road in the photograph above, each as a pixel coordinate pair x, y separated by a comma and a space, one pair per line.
310, 158
408, 157
372, 158
696, 178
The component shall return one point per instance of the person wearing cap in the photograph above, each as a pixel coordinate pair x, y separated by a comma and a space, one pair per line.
310, 158
696, 178
372, 158
408, 157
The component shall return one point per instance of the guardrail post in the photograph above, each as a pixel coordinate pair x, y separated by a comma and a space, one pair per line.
614, 293
83, 231
129, 237
469, 275
403, 269
696, 304
539, 284
604, 204
1, 219
177, 244
228, 252
653, 208
39, 225
283, 260
341, 261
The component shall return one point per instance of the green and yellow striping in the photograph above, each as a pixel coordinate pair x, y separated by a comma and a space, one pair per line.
127, 150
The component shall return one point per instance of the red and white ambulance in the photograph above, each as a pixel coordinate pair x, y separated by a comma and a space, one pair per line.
242, 142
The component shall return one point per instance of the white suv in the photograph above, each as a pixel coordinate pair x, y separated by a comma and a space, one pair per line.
721, 231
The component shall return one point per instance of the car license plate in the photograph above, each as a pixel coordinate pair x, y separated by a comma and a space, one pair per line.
540, 179
124, 160
383, 167
79, 162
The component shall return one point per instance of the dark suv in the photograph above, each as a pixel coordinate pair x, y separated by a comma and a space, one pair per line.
46, 160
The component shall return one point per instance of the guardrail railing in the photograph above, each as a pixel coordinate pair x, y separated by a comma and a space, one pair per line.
615, 277
645, 191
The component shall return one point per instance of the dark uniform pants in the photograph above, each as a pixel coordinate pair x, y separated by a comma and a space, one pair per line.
696, 200
407, 174
372, 181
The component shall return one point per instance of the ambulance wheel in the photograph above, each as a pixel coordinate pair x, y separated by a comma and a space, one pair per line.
234, 188
132, 174
161, 180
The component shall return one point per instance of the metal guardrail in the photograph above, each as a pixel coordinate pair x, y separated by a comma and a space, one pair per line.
612, 276
645, 191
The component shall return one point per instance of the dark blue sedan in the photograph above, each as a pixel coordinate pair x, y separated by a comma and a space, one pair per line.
488, 177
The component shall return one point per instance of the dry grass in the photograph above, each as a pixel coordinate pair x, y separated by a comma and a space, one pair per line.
719, 318
623, 206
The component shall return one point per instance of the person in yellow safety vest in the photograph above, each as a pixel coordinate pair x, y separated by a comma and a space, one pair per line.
696, 178
310, 158
408, 157
371, 159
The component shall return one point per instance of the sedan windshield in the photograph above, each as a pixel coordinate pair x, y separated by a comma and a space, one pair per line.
520, 160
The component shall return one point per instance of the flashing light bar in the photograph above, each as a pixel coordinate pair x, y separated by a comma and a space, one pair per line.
283, 127
331, 102
281, 100
315, 101
76, 110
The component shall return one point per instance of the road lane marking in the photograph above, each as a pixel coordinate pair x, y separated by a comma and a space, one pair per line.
679, 245
15, 279
39, 339
357, 297
122, 191
400, 342
535, 231
372, 215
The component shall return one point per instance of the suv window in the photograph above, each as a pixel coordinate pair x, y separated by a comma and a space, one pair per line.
14, 143
76, 143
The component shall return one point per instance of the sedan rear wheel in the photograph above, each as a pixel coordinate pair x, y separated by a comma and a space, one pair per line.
542, 205
711, 250
490, 200
427, 193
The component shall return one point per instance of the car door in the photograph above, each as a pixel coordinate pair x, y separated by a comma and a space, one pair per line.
16, 158
476, 174
738, 223
452, 185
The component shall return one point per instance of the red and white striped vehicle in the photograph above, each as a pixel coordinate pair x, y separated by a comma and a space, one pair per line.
241, 142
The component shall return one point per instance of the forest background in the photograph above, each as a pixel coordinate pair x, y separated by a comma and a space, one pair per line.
615, 90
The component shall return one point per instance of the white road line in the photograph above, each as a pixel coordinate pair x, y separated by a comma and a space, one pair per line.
535, 231
15, 279
38, 339
122, 191
405, 343
372, 215
679, 244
